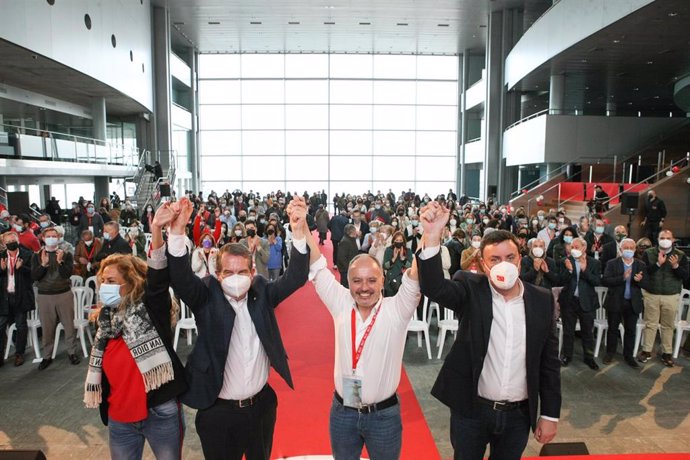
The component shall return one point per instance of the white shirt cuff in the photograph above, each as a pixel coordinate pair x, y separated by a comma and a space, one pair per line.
429, 252
300, 245
550, 419
177, 245
316, 267
157, 259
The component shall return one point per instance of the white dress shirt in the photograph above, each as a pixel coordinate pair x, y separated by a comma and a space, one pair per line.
381, 360
247, 365
504, 373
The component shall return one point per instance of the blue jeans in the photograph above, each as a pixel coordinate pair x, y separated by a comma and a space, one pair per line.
505, 431
381, 431
163, 428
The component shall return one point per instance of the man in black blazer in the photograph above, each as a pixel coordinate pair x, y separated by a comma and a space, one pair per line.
16, 294
578, 300
624, 277
539, 269
504, 324
227, 371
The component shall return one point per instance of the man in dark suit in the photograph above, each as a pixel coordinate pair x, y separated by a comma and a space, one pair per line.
537, 268
16, 294
347, 250
623, 276
504, 324
113, 243
579, 301
337, 228
239, 339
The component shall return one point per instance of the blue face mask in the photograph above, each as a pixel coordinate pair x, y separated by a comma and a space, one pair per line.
552, 225
567, 239
110, 295
599, 230
628, 253
106, 236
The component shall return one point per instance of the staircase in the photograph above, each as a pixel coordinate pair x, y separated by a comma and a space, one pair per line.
148, 190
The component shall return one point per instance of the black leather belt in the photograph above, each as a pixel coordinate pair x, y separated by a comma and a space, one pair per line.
242, 403
503, 405
368, 408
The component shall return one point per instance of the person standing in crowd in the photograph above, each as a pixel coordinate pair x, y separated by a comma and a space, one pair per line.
136, 240
137, 393
62, 243
471, 257
275, 256
579, 301
667, 268
337, 227
642, 245
51, 269
379, 213
26, 236
85, 254
489, 406
17, 297
623, 276
370, 237
227, 370
655, 213
599, 244
361, 227
91, 221
601, 199
322, 219
147, 218
128, 215
53, 209
539, 269
347, 250
204, 256
548, 233
396, 260
258, 248
455, 249
43, 222
559, 248
113, 243
370, 340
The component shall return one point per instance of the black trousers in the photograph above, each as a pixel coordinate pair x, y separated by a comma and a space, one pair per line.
335, 251
629, 319
652, 230
228, 432
570, 313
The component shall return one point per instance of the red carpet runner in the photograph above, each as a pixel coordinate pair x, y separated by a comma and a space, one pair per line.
302, 425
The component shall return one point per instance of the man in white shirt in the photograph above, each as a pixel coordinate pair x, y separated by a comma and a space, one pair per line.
370, 334
239, 339
504, 365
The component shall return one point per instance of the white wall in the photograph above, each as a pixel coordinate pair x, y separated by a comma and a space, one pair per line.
58, 32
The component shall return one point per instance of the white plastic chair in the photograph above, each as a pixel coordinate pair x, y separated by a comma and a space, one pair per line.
600, 321
33, 323
448, 324
92, 283
76, 280
186, 322
433, 307
83, 298
420, 326
147, 245
682, 320
639, 327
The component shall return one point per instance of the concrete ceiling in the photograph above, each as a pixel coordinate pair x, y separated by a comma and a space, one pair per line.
633, 63
25, 69
366, 26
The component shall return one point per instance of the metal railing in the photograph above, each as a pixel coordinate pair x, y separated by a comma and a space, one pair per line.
527, 118
79, 149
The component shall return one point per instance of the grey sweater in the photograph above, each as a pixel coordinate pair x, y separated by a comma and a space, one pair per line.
53, 279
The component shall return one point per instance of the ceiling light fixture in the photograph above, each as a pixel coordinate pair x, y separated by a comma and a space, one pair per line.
329, 23
672, 15
365, 23
255, 23
213, 23
443, 25
178, 23
293, 23
616, 41
402, 24
650, 62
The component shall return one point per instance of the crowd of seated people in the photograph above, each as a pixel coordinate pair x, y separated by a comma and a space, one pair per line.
574, 254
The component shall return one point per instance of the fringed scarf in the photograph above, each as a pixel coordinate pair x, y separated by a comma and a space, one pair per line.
143, 341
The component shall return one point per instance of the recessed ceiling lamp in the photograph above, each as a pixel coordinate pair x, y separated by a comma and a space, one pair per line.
672, 15
255, 23
329, 23
293, 23
443, 25
650, 62
365, 23
402, 24
213, 23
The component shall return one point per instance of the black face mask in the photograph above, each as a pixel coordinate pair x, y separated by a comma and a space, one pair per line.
251, 232
401, 213
270, 231
398, 244
12, 246
242, 218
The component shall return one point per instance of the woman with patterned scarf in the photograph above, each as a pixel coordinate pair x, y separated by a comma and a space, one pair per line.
134, 375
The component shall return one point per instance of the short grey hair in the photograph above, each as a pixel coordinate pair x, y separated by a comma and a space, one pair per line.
582, 241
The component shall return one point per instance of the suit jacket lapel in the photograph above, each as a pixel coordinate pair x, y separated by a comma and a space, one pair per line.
228, 314
530, 327
487, 314
257, 318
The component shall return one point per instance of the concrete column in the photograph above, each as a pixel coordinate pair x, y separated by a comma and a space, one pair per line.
462, 131
98, 114
556, 94
194, 141
492, 107
101, 189
162, 86
44, 191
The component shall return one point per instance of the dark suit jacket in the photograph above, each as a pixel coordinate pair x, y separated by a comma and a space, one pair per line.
347, 250
215, 319
118, 245
614, 279
529, 274
469, 295
589, 279
23, 284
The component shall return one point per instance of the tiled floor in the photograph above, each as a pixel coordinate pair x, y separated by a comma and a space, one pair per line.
615, 410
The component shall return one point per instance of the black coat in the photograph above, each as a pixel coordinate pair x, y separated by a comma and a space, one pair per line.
347, 250
589, 279
157, 302
614, 280
215, 318
529, 274
469, 295
337, 226
455, 248
23, 285
118, 245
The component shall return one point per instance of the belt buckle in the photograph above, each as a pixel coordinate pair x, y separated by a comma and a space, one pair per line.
245, 402
366, 408
498, 405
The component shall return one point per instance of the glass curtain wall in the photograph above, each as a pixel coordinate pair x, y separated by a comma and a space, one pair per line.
340, 123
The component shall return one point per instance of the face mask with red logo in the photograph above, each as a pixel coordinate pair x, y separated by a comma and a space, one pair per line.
504, 275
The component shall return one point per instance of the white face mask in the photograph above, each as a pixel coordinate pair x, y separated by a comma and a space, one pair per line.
236, 286
476, 244
238, 232
504, 275
576, 253
453, 222
665, 244
538, 252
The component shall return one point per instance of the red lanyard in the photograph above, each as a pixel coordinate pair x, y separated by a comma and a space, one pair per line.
12, 262
89, 255
357, 354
